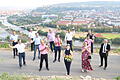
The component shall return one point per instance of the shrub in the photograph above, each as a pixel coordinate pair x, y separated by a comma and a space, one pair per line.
115, 41
24, 40
117, 78
4, 45
99, 40
42, 33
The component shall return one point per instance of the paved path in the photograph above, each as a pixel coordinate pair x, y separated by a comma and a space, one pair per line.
8, 64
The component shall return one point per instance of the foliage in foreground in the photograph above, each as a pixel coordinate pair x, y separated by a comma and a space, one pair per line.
117, 78
6, 76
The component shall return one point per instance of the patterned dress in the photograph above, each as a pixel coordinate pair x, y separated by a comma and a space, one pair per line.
85, 61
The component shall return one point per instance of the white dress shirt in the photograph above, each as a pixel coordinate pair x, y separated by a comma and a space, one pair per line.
69, 36
20, 47
32, 34
14, 38
37, 40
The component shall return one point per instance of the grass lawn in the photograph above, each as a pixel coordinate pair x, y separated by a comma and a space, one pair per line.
110, 35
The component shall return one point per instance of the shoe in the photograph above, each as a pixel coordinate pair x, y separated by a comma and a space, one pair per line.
85, 70
17, 55
14, 57
82, 70
100, 66
33, 59
38, 57
104, 68
40, 69
24, 64
54, 61
47, 69
20, 67
58, 60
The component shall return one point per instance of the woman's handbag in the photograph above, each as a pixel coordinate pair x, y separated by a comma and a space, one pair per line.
89, 57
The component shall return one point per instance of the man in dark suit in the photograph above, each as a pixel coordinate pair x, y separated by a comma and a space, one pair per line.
104, 49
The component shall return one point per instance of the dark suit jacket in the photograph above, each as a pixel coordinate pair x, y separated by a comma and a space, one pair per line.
101, 48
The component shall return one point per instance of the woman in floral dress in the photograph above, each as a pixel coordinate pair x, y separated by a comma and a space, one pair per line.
85, 57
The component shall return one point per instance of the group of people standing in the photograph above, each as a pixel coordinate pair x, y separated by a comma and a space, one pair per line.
53, 44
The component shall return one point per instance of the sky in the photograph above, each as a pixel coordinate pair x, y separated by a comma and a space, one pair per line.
37, 3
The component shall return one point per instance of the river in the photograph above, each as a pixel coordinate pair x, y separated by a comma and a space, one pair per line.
4, 33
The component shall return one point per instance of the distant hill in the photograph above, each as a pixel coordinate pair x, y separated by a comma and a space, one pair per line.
97, 5
90, 3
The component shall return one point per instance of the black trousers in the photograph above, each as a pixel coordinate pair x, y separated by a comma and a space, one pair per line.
21, 56
32, 46
44, 57
52, 45
57, 50
91, 47
70, 42
67, 65
15, 51
104, 56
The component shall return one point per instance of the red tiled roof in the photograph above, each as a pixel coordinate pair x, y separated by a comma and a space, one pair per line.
69, 22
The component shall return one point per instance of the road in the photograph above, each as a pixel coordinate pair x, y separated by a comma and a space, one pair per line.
10, 65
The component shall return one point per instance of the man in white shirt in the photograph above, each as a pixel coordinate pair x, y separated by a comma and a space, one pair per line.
14, 40
68, 38
31, 36
51, 38
21, 50
36, 40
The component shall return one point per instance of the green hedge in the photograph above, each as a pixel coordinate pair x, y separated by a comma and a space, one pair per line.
4, 45
42, 33
115, 41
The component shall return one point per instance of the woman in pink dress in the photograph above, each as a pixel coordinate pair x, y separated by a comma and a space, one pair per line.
85, 57
89, 41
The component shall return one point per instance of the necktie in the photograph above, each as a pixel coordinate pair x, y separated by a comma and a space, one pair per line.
104, 48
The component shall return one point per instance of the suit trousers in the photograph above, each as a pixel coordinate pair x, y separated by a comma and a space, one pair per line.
104, 56
15, 51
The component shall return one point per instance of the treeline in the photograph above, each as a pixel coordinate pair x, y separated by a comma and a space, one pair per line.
84, 29
24, 20
101, 30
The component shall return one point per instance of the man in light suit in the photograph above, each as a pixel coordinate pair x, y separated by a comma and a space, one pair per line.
104, 50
